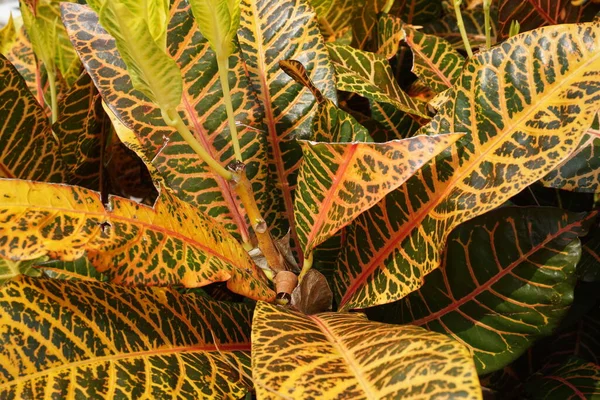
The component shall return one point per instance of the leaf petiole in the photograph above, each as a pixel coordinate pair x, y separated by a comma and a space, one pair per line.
461, 27
223, 66
172, 118
487, 4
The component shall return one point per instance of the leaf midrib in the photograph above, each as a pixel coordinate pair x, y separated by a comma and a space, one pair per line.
330, 196
368, 269
134, 222
117, 357
509, 268
344, 352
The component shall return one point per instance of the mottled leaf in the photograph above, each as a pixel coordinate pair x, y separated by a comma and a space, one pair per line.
343, 355
339, 181
170, 244
81, 269
524, 107
85, 339
370, 75
389, 35
27, 148
506, 280
202, 109
580, 172
284, 30
435, 62
330, 123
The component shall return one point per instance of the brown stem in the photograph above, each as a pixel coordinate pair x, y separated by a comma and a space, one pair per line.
243, 188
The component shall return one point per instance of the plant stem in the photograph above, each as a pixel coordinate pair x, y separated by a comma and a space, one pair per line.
461, 27
308, 262
243, 188
487, 4
388, 6
236, 176
172, 118
53, 101
223, 65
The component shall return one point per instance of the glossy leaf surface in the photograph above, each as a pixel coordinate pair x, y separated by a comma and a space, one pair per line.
96, 340
370, 75
506, 280
202, 107
27, 148
580, 172
434, 60
339, 181
271, 31
576, 379
521, 117
170, 244
533, 14
295, 356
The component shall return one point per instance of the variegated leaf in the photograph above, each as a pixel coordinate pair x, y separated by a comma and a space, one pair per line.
289, 108
524, 106
27, 148
85, 339
389, 35
330, 123
435, 62
343, 355
81, 269
8, 36
507, 280
170, 244
576, 379
22, 57
370, 75
339, 181
533, 14
202, 108
335, 17
580, 172
9, 269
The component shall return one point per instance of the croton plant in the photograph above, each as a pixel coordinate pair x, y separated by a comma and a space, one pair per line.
300, 199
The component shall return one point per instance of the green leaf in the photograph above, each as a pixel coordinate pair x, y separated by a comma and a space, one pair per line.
370, 75
86, 339
580, 172
218, 21
81, 269
533, 14
337, 355
435, 62
574, 379
202, 109
27, 148
507, 279
524, 107
8, 36
9, 269
151, 70
339, 181
170, 244
335, 17
42, 33
330, 123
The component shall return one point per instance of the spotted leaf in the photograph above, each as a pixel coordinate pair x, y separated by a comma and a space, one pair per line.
86, 339
524, 107
507, 279
170, 244
339, 181
296, 356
